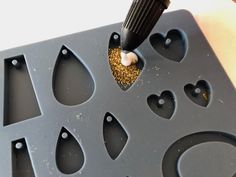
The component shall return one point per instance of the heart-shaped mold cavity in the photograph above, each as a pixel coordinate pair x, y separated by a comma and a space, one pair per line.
172, 46
69, 154
124, 76
115, 136
70, 91
163, 105
199, 93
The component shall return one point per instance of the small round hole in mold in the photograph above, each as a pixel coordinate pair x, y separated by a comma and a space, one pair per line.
172, 46
19, 145
124, 76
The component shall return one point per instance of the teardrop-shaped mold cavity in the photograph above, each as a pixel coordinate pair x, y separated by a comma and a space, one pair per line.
115, 137
121, 73
21, 163
72, 82
20, 102
69, 154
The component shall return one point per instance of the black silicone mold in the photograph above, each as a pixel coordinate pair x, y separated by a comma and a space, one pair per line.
63, 114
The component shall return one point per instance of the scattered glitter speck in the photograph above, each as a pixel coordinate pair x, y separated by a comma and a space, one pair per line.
221, 101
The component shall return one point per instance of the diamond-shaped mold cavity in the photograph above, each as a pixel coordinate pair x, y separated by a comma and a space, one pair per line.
115, 136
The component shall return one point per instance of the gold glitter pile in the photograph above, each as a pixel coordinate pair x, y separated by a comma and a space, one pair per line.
123, 75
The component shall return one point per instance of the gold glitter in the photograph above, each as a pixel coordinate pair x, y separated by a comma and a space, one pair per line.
205, 96
123, 75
